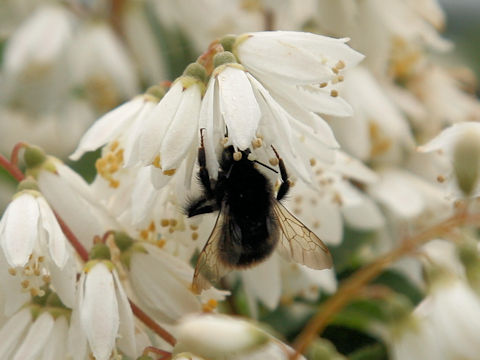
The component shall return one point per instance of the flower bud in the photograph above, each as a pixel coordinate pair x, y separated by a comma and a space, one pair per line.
122, 240
227, 42
222, 58
466, 161
34, 156
99, 251
197, 71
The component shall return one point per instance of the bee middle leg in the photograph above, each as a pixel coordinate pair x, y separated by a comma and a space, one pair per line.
285, 186
203, 174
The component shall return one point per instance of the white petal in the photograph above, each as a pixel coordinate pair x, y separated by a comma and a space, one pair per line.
264, 282
126, 331
183, 131
158, 178
64, 281
99, 311
238, 106
76, 342
131, 154
156, 125
167, 296
14, 298
208, 118
57, 243
449, 137
55, 348
108, 127
364, 216
36, 338
20, 229
12, 331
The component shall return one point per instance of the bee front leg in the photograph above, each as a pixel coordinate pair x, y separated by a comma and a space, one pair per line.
285, 186
203, 174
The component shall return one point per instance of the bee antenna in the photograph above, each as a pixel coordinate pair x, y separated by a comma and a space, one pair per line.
275, 151
268, 167
202, 130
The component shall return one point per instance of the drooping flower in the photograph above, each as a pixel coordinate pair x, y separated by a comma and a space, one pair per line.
35, 247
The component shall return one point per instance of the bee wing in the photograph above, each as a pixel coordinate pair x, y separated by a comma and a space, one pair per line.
209, 266
298, 243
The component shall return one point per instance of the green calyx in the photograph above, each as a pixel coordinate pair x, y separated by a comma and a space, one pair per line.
28, 183
99, 251
227, 42
156, 91
122, 240
34, 156
196, 71
126, 256
466, 162
222, 58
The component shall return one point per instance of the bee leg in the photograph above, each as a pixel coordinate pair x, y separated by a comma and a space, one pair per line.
285, 186
203, 174
201, 206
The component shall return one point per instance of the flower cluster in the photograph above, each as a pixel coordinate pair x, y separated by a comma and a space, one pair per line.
372, 139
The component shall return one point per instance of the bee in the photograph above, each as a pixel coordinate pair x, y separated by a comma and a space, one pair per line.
251, 223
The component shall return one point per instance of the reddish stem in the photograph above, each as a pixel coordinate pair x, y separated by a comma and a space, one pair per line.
77, 245
147, 320
15, 151
11, 168
165, 355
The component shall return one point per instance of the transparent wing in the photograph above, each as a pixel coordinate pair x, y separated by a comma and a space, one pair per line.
298, 243
209, 265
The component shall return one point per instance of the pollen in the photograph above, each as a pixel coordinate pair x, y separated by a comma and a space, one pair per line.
151, 227
12, 271
109, 164
156, 162
161, 243
173, 222
273, 161
251, 157
340, 65
210, 305
194, 227
170, 172
194, 235
334, 93
441, 178
164, 222
257, 143
313, 162
237, 156
324, 84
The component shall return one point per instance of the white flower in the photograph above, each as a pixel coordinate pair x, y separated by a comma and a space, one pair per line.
35, 247
219, 337
104, 311
261, 123
29, 336
39, 41
98, 57
464, 135
377, 126
455, 327
166, 292
299, 69
170, 133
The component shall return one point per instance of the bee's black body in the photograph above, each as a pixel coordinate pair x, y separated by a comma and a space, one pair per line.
245, 196
251, 221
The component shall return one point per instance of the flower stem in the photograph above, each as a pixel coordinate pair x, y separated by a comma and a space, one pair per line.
352, 286
147, 320
15, 151
11, 168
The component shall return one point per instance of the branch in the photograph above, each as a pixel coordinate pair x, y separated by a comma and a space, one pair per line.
352, 286
11, 169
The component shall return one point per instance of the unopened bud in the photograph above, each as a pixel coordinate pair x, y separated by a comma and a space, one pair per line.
227, 42
197, 71
466, 161
34, 156
99, 251
122, 240
222, 58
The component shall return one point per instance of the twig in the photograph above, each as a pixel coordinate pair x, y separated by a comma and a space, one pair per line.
352, 286
11, 169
